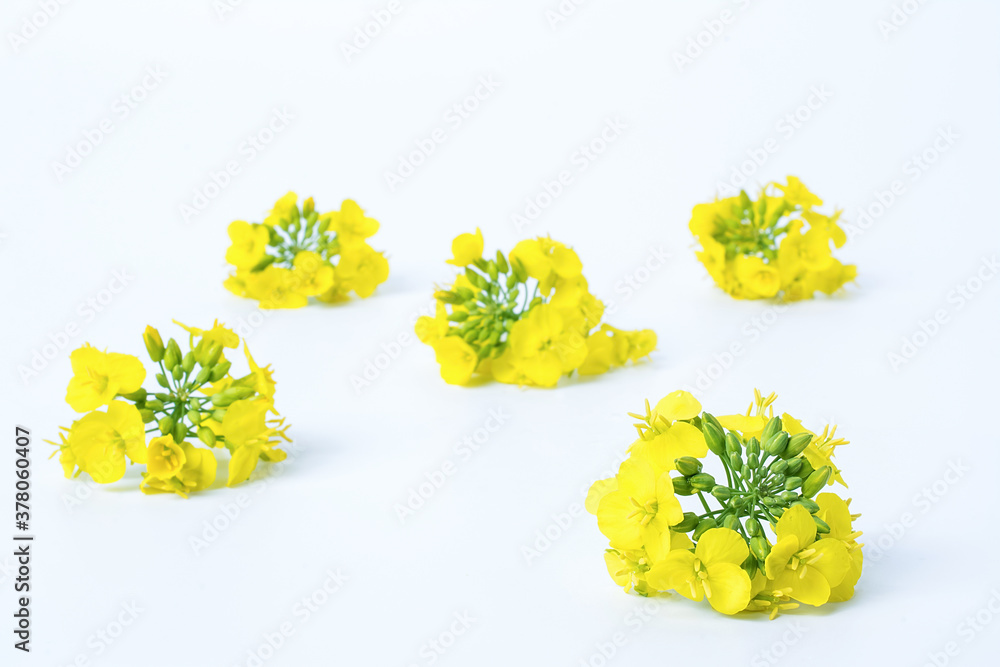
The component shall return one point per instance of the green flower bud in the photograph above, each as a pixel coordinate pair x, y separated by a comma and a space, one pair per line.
792, 483
156, 405
166, 425
220, 371
491, 270
787, 496
753, 460
745, 471
172, 356
723, 493
797, 444
207, 436
161, 380
502, 264
203, 375
753, 446
178, 372
808, 504
760, 547
709, 418
776, 444
770, 429
194, 416
219, 414
753, 526
816, 481
733, 444
778, 467
138, 396
147, 416
689, 523
180, 432
154, 344
750, 567
821, 526
687, 465
682, 487
520, 271
475, 278
702, 481
735, 462
213, 355
731, 522
779, 479
714, 438
805, 469
458, 316
705, 524
795, 466
187, 363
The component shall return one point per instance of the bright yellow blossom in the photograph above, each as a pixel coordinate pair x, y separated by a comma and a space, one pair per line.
466, 248
249, 244
182, 468
810, 568
100, 441
98, 377
641, 509
713, 571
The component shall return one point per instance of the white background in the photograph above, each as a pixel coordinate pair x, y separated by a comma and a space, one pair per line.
361, 453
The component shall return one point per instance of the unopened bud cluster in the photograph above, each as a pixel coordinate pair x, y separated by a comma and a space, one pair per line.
776, 246
197, 399
300, 253
525, 318
762, 538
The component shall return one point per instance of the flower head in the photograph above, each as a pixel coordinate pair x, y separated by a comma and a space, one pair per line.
98, 377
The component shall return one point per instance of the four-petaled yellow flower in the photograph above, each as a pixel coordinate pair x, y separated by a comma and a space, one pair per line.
713, 571
671, 437
642, 507
98, 377
250, 438
100, 441
806, 568
249, 244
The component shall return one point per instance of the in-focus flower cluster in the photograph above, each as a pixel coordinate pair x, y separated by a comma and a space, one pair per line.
762, 538
527, 318
296, 254
776, 246
198, 398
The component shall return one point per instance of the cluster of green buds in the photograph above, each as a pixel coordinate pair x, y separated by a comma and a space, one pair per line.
763, 478
179, 410
493, 296
753, 228
294, 232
